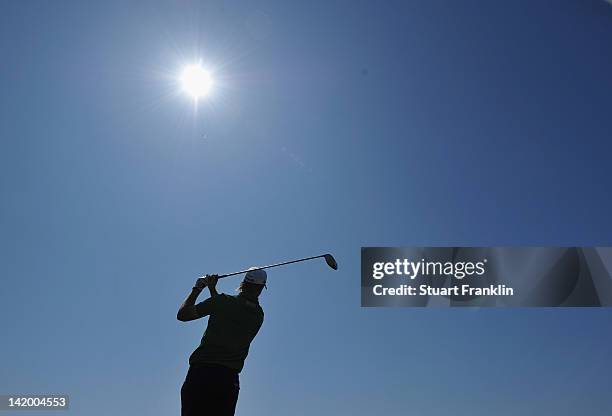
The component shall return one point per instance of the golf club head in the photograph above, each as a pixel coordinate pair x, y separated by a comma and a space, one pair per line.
331, 262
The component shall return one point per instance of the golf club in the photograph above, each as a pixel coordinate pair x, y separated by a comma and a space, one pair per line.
329, 259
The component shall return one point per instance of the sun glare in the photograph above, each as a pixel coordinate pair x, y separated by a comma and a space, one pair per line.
196, 81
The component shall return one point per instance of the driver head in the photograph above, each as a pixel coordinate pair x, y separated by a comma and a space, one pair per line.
331, 262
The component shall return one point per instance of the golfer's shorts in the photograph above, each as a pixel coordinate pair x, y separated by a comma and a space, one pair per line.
209, 390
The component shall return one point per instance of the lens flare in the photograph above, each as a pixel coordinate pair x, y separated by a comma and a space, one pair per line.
196, 81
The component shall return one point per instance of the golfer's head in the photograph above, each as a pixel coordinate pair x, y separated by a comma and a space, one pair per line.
253, 283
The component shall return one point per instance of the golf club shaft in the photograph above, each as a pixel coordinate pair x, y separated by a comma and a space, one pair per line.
272, 265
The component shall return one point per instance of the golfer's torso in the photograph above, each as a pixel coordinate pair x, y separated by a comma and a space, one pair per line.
231, 328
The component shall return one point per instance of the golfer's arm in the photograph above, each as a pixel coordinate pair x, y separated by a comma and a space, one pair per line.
187, 311
213, 291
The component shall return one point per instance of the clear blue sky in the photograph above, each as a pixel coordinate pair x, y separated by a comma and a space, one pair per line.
337, 125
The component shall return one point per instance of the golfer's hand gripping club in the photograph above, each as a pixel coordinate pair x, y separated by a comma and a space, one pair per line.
209, 280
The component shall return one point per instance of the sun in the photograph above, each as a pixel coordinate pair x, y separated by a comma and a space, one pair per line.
196, 81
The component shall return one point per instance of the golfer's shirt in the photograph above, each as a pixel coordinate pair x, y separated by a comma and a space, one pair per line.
234, 321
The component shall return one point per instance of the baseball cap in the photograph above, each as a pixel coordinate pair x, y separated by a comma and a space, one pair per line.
257, 277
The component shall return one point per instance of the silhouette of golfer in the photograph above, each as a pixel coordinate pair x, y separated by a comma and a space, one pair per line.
212, 384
